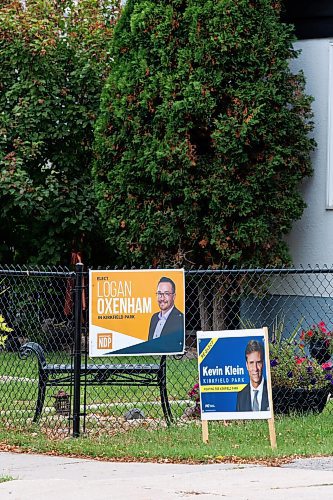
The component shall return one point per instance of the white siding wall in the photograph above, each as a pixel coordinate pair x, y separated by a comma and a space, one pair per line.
311, 239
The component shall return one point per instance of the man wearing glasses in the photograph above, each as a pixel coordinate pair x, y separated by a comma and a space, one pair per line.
169, 321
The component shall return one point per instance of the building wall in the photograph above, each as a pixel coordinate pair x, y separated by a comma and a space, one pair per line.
311, 239
286, 312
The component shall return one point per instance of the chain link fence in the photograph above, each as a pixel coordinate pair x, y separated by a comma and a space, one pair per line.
40, 307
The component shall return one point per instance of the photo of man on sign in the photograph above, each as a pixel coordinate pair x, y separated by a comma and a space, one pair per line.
169, 320
254, 396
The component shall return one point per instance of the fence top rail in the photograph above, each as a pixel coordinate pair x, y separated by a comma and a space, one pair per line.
264, 270
42, 272
282, 270
66, 273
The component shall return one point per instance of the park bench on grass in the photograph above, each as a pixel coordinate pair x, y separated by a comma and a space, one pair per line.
52, 374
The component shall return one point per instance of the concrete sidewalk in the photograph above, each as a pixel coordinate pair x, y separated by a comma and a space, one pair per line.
42, 477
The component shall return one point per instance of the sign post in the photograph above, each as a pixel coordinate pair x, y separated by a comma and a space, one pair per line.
271, 422
234, 377
205, 433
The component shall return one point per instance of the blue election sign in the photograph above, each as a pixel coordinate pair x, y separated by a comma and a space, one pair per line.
226, 389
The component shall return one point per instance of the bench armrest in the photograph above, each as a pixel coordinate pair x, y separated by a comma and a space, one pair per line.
31, 348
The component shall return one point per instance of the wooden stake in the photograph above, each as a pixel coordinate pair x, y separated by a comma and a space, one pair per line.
272, 434
204, 424
271, 422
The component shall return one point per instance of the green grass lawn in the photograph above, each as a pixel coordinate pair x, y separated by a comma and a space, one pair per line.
105, 430
4, 479
239, 440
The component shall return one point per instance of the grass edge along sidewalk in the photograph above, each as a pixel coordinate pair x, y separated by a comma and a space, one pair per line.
236, 441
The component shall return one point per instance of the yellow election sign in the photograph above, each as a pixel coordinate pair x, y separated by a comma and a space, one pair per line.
136, 312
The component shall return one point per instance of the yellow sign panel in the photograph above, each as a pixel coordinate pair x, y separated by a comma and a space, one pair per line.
206, 350
222, 388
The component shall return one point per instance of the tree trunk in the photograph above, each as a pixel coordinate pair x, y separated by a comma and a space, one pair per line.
205, 316
220, 303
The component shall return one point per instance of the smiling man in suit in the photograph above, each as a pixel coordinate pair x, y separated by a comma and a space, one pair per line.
169, 320
254, 396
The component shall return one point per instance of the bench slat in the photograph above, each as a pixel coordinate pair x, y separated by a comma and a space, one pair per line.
57, 368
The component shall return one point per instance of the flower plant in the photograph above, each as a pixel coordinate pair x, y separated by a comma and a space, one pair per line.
194, 395
290, 365
292, 368
318, 332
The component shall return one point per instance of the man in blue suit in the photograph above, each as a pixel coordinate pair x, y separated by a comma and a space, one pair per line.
169, 321
254, 396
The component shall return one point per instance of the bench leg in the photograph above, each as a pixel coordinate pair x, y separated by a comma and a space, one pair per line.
165, 404
164, 394
40, 398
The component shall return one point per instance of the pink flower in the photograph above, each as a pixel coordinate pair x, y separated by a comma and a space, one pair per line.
322, 327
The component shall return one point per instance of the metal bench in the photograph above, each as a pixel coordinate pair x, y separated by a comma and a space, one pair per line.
52, 374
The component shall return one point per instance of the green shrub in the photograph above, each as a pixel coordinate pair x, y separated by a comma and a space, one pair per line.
3, 328
54, 59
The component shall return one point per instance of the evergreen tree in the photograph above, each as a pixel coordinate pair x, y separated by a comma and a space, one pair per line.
202, 140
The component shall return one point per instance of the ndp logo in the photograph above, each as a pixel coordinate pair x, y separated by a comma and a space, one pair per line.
104, 341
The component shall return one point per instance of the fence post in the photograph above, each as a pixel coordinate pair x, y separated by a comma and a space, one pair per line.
77, 348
